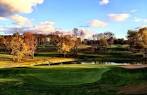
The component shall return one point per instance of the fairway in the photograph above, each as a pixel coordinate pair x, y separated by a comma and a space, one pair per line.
73, 79
54, 75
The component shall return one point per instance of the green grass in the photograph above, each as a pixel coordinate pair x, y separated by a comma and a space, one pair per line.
68, 80
73, 79
57, 75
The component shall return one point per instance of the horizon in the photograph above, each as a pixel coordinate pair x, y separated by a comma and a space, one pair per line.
95, 16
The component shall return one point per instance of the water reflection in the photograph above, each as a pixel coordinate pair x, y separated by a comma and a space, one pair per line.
84, 62
98, 62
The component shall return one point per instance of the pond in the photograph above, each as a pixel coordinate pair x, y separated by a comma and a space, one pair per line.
84, 62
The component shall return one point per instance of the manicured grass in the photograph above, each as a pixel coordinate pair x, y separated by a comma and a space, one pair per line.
28, 81
69, 80
57, 75
72, 79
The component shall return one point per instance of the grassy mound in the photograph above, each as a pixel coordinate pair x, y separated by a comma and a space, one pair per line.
69, 80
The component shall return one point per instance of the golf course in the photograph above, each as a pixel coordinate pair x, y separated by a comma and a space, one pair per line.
73, 47
87, 74
73, 79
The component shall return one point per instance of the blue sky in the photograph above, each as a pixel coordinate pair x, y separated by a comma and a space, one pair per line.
98, 16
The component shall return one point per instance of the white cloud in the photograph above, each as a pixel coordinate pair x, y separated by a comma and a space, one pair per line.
104, 2
10, 7
98, 23
119, 17
45, 27
20, 20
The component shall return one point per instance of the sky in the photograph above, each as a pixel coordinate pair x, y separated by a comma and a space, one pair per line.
94, 16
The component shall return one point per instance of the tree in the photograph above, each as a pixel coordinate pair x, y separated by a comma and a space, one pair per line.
109, 37
66, 43
134, 40
120, 41
79, 33
76, 42
103, 42
20, 45
105, 39
7, 41
55, 39
30, 41
76, 32
2, 41
142, 34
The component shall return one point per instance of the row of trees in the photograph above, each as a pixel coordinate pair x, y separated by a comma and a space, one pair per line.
23, 46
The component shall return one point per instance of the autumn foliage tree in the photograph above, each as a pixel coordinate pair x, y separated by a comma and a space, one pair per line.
65, 43
21, 46
137, 39
103, 42
18, 47
142, 34
30, 41
2, 45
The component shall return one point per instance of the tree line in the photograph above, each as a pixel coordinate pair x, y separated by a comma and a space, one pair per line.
24, 45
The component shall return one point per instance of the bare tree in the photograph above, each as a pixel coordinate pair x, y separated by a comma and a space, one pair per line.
105, 39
